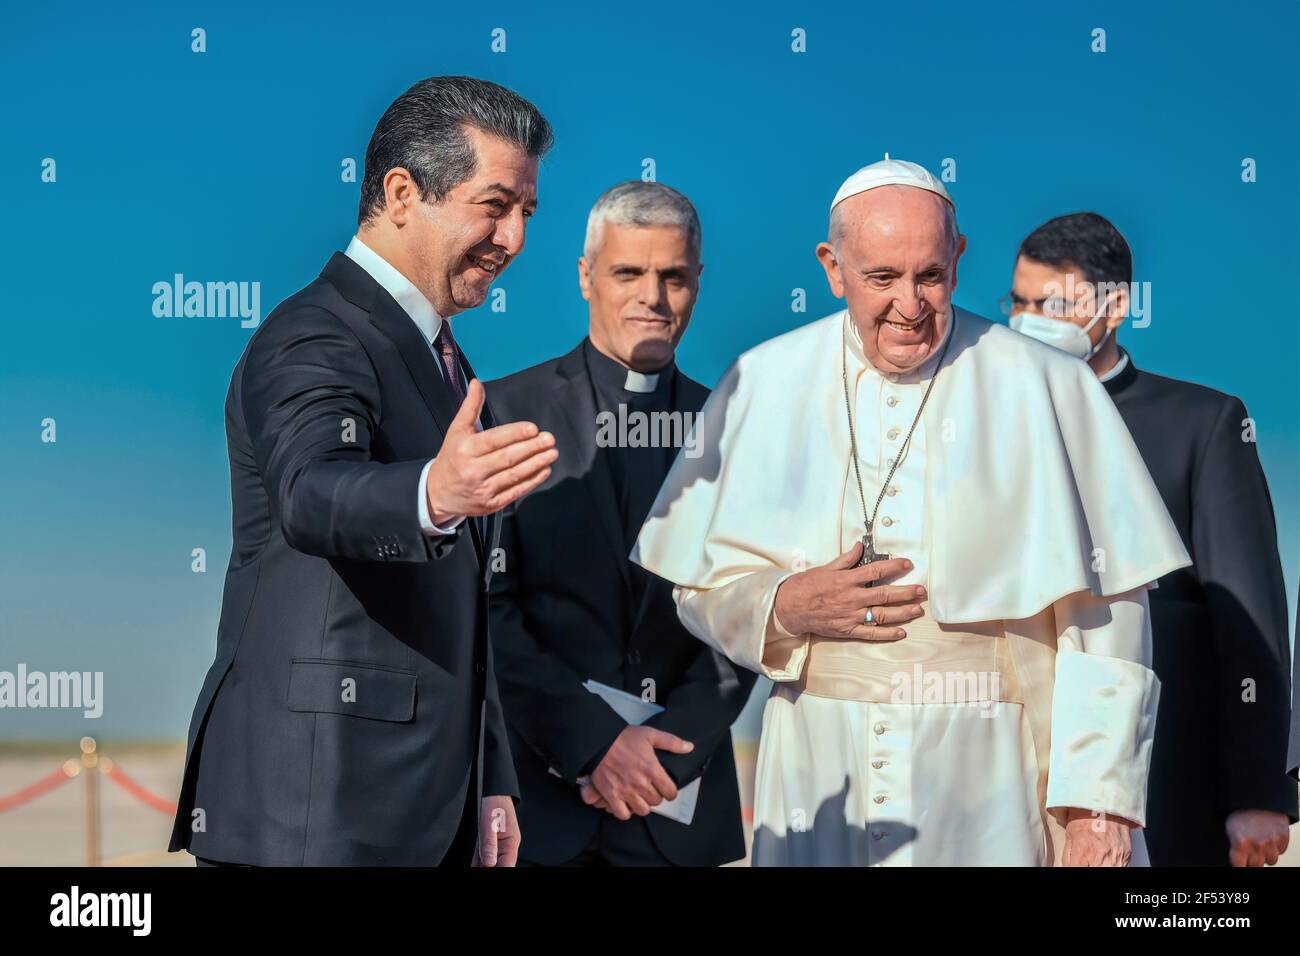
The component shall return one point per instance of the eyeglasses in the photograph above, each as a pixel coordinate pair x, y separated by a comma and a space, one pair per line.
1052, 306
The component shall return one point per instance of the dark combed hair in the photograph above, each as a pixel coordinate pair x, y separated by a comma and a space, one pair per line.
424, 132
1085, 240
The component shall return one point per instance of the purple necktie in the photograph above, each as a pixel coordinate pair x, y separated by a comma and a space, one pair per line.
446, 347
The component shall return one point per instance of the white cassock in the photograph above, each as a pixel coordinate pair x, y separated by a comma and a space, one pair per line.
1033, 524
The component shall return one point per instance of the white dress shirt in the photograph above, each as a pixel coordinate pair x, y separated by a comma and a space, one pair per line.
429, 322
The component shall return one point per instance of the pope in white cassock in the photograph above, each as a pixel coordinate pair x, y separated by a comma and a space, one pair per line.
936, 536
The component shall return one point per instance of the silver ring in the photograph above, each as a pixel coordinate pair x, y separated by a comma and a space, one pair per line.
870, 618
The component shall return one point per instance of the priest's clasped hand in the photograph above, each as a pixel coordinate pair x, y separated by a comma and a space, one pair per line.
629, 779
833, 600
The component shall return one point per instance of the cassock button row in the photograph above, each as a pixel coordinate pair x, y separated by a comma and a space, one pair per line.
892, 434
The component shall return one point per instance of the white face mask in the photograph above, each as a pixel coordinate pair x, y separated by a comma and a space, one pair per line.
1060, 333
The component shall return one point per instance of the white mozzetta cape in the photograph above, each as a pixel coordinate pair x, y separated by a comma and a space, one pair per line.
1040, 514
1034, 487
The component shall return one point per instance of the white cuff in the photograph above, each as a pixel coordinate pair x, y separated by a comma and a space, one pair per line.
776, 621
426, 520
737, 619
1103, 724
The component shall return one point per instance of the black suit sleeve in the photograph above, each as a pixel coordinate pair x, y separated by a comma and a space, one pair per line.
311, 401
1293, 756
566, 725
498, 765
1234, 543
702, 709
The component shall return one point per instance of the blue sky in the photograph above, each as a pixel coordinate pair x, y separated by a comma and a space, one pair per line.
225, 166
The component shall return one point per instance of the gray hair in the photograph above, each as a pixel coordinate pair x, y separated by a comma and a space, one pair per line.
836, 230
637, 203
424, 132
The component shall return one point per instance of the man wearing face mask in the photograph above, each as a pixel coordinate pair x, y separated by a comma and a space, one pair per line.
895, 518
1219, 790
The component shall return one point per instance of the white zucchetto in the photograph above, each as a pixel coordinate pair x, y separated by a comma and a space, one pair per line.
891, 172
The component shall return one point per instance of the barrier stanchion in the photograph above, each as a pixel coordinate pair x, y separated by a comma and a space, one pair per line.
90, 761
90, 765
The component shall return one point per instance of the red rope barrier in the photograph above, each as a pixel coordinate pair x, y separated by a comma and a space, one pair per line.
161, 804
32, 791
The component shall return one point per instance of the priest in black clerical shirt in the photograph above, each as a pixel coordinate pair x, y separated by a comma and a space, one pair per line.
619, 719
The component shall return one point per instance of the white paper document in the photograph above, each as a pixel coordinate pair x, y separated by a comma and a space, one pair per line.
637, 711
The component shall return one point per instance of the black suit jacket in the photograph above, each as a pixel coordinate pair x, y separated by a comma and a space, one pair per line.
1293, 755
563, 611
1215, 624
351, 709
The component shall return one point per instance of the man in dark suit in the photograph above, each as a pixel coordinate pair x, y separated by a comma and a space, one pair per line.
1219, 792
569, 607
351, 716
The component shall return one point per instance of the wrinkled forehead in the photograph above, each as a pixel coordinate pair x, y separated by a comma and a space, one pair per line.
894, 201
644, 241
501, 164
893, 216
1032, 278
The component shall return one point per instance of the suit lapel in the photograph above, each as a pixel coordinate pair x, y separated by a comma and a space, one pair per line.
688, 396
577, 403
359, 287
481, 541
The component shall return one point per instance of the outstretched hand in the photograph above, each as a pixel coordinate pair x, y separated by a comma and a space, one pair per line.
480, 472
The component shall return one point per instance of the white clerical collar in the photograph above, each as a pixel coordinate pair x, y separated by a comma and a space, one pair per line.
921, 373
1116, 368
641, 382
410, 298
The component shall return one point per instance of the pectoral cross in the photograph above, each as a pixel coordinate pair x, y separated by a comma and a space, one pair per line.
869, 553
